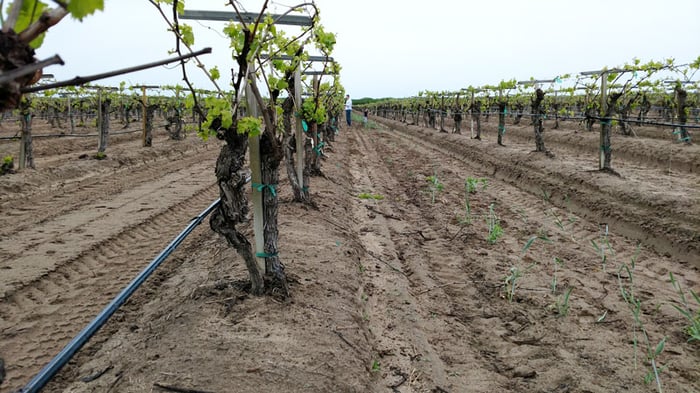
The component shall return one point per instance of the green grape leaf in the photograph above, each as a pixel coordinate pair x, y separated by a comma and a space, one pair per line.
180, 5
79, 9
187, 34
324, 41
214, 72
281, 84
28, 14
250, 125
696, 63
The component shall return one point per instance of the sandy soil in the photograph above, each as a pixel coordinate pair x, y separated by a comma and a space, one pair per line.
394, 294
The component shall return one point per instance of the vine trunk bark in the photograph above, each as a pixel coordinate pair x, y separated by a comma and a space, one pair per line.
538, 120
148, 131
606, 124
458, 120
476, 115
271, 154
26, 149
233, 209
103, 125
682, 107
501, 121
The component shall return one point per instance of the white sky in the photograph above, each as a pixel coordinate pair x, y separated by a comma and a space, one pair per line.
395, 48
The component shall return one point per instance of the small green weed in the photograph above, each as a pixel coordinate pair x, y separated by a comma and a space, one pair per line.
495, 229
546, 196
683, 307
471, 184
367, 195
604, 246
434, 187
523, 215
470, 187
557, 262
562, 304
8, 164
511, 282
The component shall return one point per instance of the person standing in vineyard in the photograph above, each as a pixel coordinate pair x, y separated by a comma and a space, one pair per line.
348, 110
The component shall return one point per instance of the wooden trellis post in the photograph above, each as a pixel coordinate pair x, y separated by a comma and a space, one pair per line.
102, 127
26, 156
299, 132
102, 136
604, 112
146, 136
255, 174
70, 116
471, 115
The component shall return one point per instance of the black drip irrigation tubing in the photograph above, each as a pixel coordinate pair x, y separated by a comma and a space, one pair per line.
49, 371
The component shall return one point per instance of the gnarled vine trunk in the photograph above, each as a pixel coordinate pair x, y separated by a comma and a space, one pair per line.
26, 149
233, 209
271, 154
644, 108
476, 116
681, 106
443, 113
606, 125
300, 189
458, 120
148, 131
103, 125
538, 120
518, 113
501, 121
175, 126
314, 153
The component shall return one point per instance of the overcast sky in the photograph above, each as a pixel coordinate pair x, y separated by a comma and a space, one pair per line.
396, 48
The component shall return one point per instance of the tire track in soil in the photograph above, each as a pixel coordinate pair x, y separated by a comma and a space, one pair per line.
669, 231
46, 203
463, 290
633, 152
61, 238
415, 343
475, 323
523, 334
636, 159
50, 156
580, 230
39, 318
640, 151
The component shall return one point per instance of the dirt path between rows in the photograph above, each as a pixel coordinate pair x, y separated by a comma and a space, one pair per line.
395, 288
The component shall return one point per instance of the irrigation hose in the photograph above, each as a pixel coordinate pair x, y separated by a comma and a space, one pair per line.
40, 380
